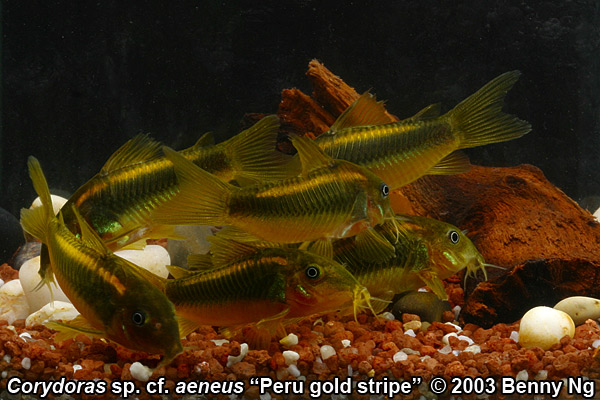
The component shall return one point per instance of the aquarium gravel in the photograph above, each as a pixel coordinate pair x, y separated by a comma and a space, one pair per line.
333, 357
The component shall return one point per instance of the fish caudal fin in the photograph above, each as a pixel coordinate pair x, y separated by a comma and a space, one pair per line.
254, 156
201, 199
479, 119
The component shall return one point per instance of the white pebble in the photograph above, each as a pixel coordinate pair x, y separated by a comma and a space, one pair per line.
388, 315
30, 279
293, 370
596, 343
522, 375
456, 310
140, 372
219, 342
544, 327
446, 349
580, 308
57, 203
153, 257
53, 311
541, 375
290, 357
475, 349
4, 374
6, 358
466, 339
327, 351
289, 340
1, 282
597, 215
13, 303
235, 359
77, 367
514, 335
26, 362
345, 342
400, 356
410, 332
446, 336
265, 396
410, 351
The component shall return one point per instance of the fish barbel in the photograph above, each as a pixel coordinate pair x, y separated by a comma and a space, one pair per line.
401, 152
330, 199
427, 251
267, 286
117, 201
115, 298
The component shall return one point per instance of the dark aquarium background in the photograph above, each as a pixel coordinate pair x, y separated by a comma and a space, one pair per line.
81, 78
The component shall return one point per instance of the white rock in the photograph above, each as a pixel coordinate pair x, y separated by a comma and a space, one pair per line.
140, 372
597, 214
544, 327
30, 278
57, 203
522, 375
53, 311
580, 308
13, 303
345, 342
474, 348
235, 359
400, 356
154, 258
290, 357
289, 340
26, 362
446, 337
327, 351
514, 335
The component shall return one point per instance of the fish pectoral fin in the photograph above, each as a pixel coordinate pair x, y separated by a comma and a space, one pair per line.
454, 163
434, 283
180, 272
371, 246
365, 110
311, 156
70, 329
322, 247
186, 326
381, 302
225, 250
140, 148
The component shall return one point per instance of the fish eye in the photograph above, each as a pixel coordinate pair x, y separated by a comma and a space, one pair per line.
138, 318
453, 236
312, 272
385, 190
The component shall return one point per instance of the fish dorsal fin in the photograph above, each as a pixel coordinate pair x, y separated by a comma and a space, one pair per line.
197, 263
225, 251
429, 112
454, 163
365, 110
205, 140
322, 247
186, 326
373, 247
88, 235
311, 156
69, 329
140, 148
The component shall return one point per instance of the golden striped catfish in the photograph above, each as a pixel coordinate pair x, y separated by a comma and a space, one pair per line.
401, 152
427, 251
117, 300
330, 199
137, 178
267, 286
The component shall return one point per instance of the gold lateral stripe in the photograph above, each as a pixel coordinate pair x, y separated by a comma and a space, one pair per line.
276, 260
302, 185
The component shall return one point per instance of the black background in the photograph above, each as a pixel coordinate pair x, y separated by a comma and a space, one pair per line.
81, 78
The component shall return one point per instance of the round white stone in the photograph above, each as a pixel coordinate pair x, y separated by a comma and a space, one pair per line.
140, 372
154, 258
327, 351
57, 203
544, 327
13, 303
30, 279
53, 311
290, 357
580, 308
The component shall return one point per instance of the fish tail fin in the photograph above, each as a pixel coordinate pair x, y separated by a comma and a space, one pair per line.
254, 155
479, 119
202, 197
35, 221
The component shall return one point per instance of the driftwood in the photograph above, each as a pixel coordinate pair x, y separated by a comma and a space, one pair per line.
548, 246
